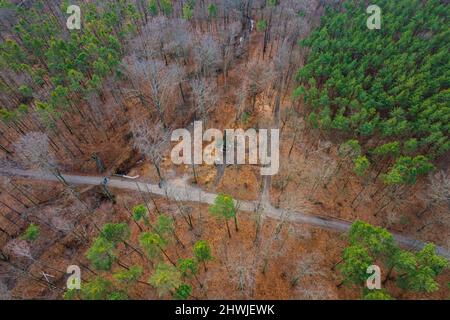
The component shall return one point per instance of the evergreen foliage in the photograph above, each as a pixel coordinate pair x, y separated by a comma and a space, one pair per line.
390, 84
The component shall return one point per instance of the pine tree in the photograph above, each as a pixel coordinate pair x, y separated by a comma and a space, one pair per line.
224, 209
369, 245
31, 233
166, 279
183, 291
370, 86
202, 252
377, 294
115, 232
130, 276
140, 212
96, 289
101, 254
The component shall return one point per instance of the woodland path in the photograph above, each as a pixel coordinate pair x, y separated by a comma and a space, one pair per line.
180, 190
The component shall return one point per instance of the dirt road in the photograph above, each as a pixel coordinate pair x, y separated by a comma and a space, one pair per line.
179, 189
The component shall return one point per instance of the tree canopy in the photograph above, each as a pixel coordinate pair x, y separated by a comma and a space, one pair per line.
389, 84
369, 245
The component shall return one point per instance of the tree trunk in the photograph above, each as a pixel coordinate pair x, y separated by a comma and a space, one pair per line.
228, 229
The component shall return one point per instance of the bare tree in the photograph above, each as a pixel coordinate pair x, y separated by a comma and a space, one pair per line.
241, 100
33, 149
207, 56
307, 266
154, 77
439, 190
62, 224
437, 199
282, 61
178, 75
316, 291
111, 108
259, 217
205, 96
259, 77
321, 175
282, 180
227, 46
19, 248
179, 41
156, 36
274, 245
8, 184
151, 140
243, 272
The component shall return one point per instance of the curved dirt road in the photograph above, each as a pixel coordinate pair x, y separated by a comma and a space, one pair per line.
179, 189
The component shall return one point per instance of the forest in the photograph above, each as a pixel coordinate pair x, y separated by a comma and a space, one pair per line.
93, 206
